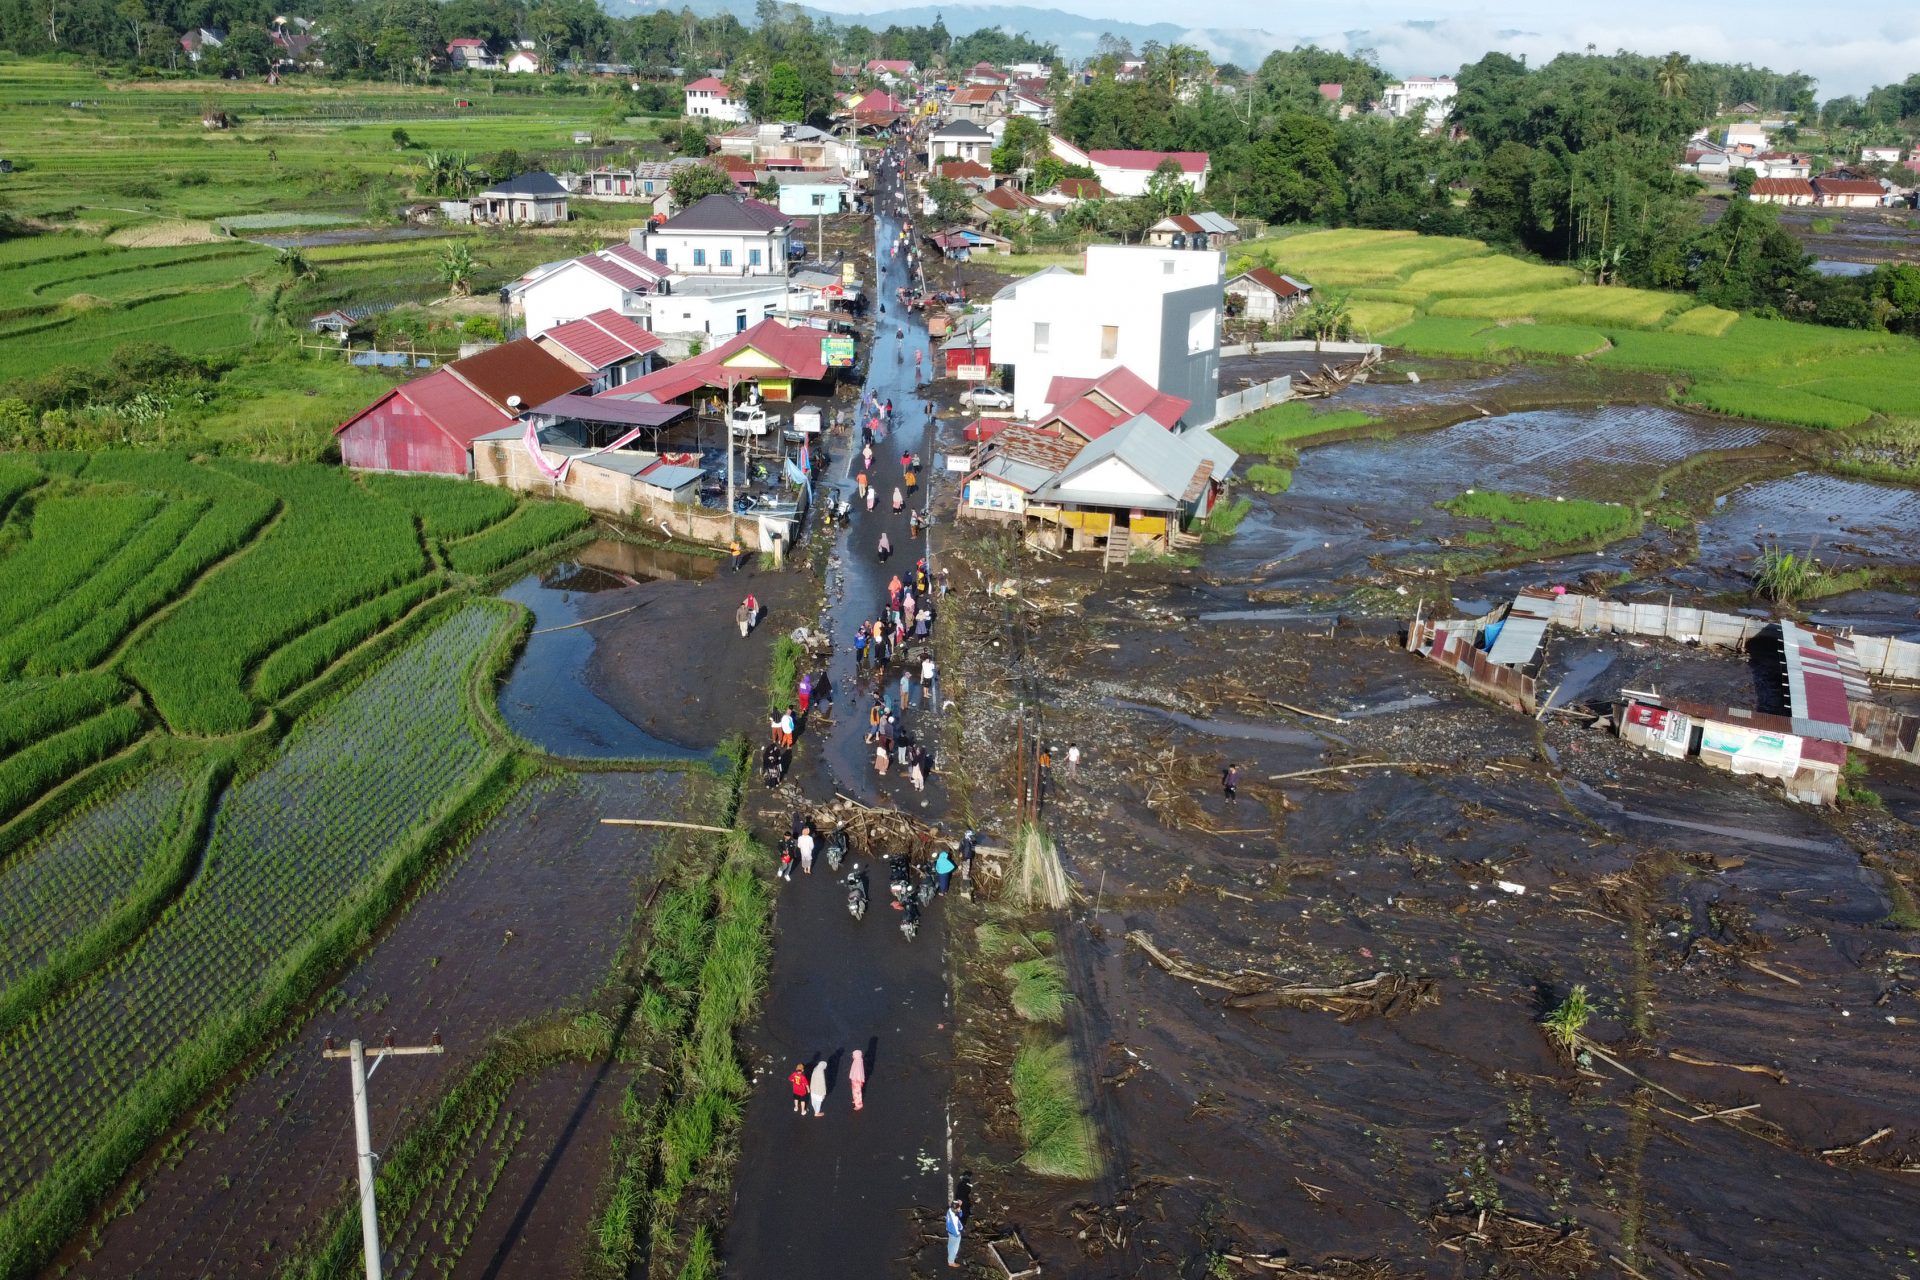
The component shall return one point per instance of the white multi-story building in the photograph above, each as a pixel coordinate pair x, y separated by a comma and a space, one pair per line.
1128, 173
1155, 311
1426, 98
711, 98
720, 235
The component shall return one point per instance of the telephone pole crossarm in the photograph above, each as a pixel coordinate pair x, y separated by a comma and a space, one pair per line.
357, 1053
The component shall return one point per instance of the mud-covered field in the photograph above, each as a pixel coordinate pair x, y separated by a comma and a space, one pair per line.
1311, 1016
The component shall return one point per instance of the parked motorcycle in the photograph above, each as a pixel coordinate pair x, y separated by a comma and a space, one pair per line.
856, 882
837, 846
910, 918
899, 879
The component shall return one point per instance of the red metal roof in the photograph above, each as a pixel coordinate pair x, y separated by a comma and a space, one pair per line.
1189, 161
518, 368
1281, 286
1082, 188
1094, 406
711, 84
602, 339
1847, 187
795, 353
638, 260
448, 404
1784, 187
621, 274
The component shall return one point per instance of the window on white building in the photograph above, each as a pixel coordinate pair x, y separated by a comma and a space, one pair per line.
1166, 266
753, 257
1109, 341
1042, 336
726, 257
699, 257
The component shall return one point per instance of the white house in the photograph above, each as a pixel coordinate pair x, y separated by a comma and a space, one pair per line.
1426, 98
1126, 172
535, 197
617, 278
960, 140
786, 145
523, 62
810, 192
891, 70
470, 53
1747, 139
1030, 107
1879, 155
1156, 311
720, 235
695, 308
711, 98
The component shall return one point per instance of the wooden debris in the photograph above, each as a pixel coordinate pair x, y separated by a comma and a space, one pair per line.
1384, 994
1345, 768
875, 832
1752, 1068
1016, 1260
1332, 378
661, 822
1853, 1148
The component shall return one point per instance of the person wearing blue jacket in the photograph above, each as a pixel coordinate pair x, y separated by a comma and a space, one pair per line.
943, 869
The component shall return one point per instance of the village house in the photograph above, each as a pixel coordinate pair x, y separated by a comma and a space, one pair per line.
721, 235
1790, 191
1157, 311
607, 347
1780, 164
977, 103
711, 98
1074, 190
1428, 99
617, 278
1879, 155
429, 425
1090, 407
523, 61
532, 199
777, 360
968, 345
786, 145
1709, 162
589, 449
1194, 231
1267, 296
470, 53
960, 140
646, 181
966, 172
197, 41
813, 192
1011, 200
891, 71
1745, 139
690, 309
1127, 173
1030, 106
1848, 193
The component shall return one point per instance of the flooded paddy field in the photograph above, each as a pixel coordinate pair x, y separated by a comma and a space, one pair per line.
1842, 521
521, 925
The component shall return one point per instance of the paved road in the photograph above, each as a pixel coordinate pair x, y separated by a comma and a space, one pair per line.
854, 1193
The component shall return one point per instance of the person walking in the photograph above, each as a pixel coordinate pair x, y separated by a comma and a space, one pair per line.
885, 548
906, 689
926, 680
744, 619
1229, 778
804, 843
1073, 760
803, 695
857, 1079
913, 481
786, 727
955, 1226
968, 844
860, 649
917, 771
799, 1082
943, 869
899, 498
880, 760
818, 1091
872, 493
739, 555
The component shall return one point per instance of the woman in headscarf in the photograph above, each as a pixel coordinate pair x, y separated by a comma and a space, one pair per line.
819, 1090
857, 1078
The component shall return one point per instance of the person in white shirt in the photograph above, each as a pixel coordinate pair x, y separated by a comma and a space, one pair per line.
805, 845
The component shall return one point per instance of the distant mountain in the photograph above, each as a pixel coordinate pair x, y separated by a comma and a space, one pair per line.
1074, 34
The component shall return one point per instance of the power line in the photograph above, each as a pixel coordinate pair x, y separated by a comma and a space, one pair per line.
356, 1054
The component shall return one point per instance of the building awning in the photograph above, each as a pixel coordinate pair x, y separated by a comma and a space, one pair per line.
611, 409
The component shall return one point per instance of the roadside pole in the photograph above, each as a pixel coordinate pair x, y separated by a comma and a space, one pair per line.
356, 1054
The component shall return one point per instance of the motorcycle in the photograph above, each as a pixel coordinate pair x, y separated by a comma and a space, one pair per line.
837, 845
910, 919
899, 879
856, 882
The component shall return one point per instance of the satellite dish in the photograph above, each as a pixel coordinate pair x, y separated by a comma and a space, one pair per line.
513, 402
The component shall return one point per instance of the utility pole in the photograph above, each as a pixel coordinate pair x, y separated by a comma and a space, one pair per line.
356, 1054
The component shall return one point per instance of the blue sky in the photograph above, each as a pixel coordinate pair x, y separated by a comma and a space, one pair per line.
1863, 43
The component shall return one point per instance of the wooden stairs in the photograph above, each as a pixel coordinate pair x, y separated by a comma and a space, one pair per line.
1119, 547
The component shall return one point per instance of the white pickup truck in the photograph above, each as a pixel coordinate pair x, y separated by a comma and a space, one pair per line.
752, 419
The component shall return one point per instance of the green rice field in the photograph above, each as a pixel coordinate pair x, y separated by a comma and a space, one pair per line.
1444, 296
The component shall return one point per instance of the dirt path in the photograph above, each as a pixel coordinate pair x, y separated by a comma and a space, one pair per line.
853, 1194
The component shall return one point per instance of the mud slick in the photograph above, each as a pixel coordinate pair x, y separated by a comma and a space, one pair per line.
1312, 1014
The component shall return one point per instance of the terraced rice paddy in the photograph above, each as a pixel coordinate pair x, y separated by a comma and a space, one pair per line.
290, 845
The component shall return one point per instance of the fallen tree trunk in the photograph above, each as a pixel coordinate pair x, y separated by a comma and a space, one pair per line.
1386, 994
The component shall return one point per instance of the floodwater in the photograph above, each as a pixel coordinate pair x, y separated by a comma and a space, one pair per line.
1840, 521
547, 698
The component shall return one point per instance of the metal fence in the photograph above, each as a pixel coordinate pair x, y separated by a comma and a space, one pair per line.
1251, 399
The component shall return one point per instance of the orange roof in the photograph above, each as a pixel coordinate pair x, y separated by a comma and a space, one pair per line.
1082, 189
795, 353
1783, 187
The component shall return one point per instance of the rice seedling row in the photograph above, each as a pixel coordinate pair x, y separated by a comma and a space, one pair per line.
535, 526
434, 1236
67, 881
332, 548
200, 323
15, 479
310, 653
1775, 404
290, 848
30, 710
32, 771
445, 508
71, 536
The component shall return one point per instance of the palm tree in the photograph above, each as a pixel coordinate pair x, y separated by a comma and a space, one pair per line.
456, 267
1673, 74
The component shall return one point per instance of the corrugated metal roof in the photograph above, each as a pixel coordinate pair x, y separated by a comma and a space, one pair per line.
1822, 678
604, 338
1149, 450
518, 368
454, 408
1522, 633
612, 410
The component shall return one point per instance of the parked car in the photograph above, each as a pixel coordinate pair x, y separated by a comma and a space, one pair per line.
751, 419
987, 398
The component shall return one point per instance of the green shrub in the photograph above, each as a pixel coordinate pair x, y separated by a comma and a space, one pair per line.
1268, 478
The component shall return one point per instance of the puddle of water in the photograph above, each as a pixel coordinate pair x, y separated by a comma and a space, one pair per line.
546, 698
1838, 520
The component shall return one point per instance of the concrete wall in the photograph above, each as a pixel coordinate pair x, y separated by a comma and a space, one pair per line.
1180, 370
1251, 400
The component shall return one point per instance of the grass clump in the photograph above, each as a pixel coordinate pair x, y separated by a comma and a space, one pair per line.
1268, 478
1054, 1128
1538, 524
1709, 322
1224, 520
1039, 988
1852, 784
1776, 404
1567, 1022
783, 682
1270, 432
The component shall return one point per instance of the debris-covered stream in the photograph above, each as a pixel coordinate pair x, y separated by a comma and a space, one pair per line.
1312, 1013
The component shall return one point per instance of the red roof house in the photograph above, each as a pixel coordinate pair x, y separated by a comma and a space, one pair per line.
429, 424
1091, 407
771, 354
606, 346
